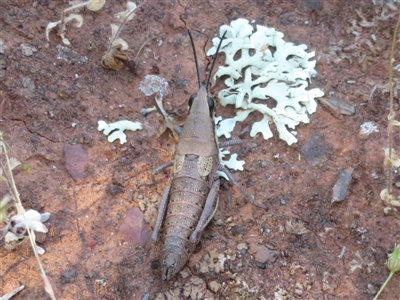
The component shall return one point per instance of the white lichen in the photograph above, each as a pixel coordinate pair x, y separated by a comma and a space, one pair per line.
368, 127
153, 84
273, 69
116, 130
232, 163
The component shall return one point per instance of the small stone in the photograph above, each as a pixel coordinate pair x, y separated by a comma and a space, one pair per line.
264, 163
184, 274
262, 254
146, 297
316, 151
68, 276
75, 160
180, 83
2, 48
312, 4
242, 246
28, 50
214, 286
3, 66
341, 186
197, 281
142, 205
28, 85
40, 237
299, 286
68, 54
238, 229
298, 292
372, 289
134, 229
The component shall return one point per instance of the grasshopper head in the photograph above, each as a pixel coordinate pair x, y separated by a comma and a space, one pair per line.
169, 265
201, 102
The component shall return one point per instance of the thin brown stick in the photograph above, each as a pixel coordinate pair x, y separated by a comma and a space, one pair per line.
391, 114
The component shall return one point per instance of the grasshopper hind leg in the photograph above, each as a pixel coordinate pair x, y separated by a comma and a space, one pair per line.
208, 212
235, 182
161, 213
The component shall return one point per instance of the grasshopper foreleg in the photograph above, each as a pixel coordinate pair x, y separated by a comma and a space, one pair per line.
160, 168
161, 213
235, 182
222, 144
154, 172
208, 212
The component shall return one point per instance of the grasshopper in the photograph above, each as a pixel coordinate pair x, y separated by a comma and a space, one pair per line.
191, 200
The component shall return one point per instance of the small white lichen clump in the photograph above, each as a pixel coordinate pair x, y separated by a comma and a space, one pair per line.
281, 74
116, 130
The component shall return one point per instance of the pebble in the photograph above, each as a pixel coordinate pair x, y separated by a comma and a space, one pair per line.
27, 50
142, 205
214, 286
134, 229
28, 85
262, 254
146, 297
68, 54
372, 289
2, 48
40, 237
315, 150
242, 246
68, 276
75, 160
341, 186
184, 274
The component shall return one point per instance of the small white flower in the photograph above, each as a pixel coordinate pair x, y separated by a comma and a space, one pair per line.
33, 219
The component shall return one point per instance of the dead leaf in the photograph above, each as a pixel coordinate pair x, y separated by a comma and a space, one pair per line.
337, 107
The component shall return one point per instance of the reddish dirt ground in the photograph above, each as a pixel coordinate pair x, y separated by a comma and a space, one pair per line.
301, 235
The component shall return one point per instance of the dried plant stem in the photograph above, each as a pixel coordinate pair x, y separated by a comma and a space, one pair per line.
144, 44
391, 114
116, 35
72, 8
21, 211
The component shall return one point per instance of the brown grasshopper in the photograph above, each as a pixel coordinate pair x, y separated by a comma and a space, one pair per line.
191, 200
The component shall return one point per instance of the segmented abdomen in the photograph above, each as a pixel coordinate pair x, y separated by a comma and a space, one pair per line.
187, 198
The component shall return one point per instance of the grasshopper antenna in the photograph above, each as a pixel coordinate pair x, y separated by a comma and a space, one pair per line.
215, 58
195, 58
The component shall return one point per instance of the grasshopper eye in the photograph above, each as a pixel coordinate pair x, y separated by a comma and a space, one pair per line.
191, 99
211, 105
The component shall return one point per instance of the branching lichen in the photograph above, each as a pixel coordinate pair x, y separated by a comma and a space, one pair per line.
273, 69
